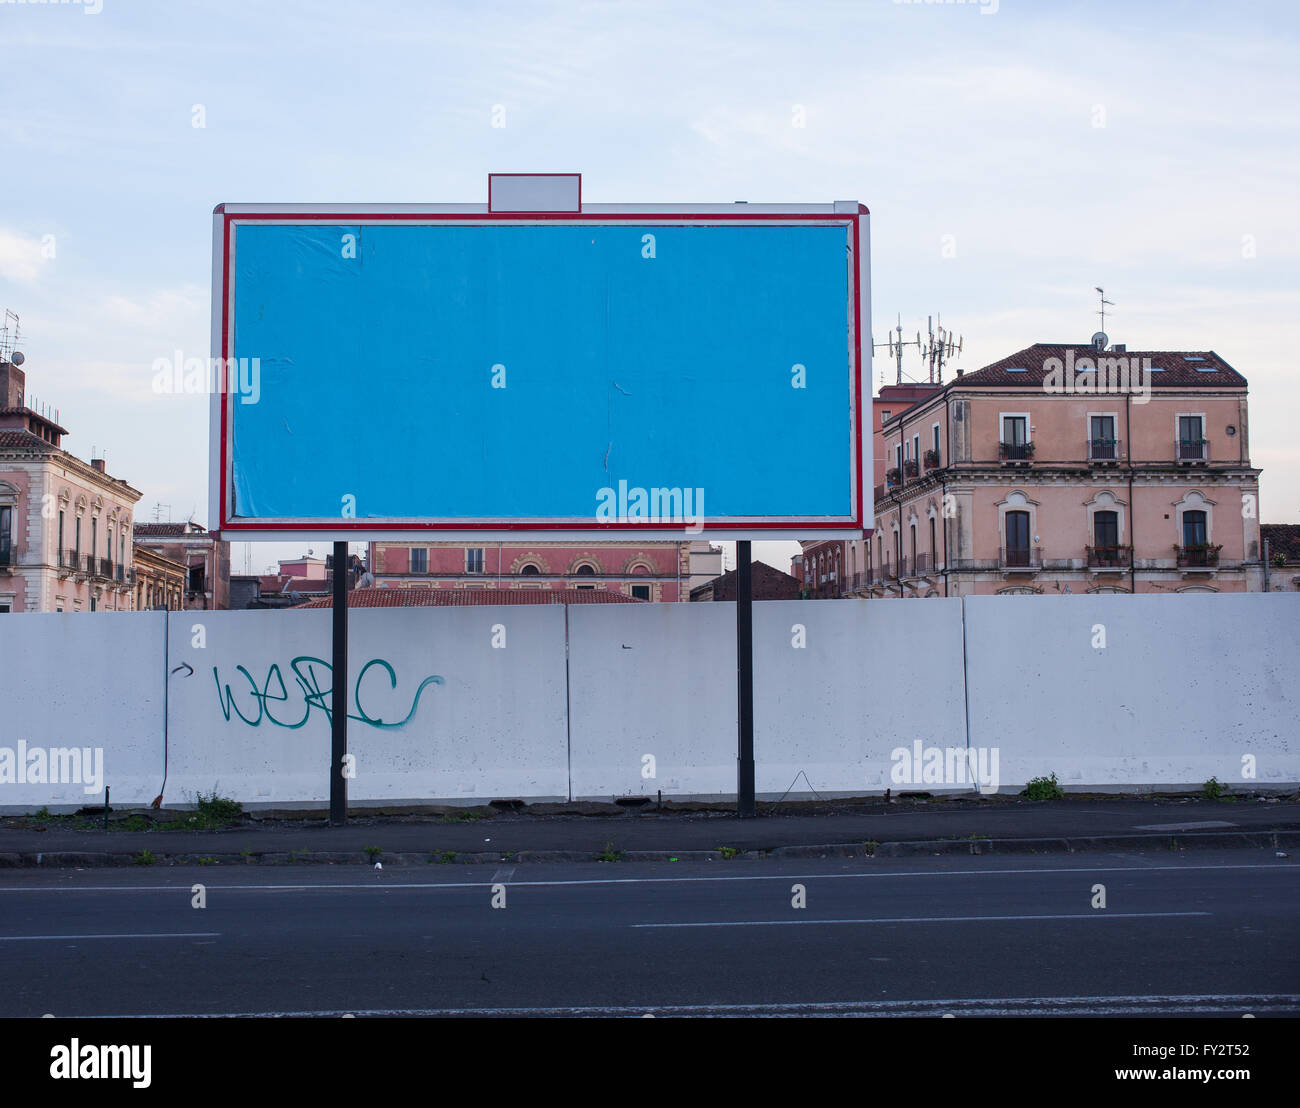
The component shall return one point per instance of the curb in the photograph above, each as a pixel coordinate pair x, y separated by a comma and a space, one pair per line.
1205, 840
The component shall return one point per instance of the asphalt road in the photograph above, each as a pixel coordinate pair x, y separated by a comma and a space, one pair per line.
1194, 933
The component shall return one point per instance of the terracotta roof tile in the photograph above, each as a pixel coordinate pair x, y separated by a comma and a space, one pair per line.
1283, 538
440, 598
12, 439
1170, 368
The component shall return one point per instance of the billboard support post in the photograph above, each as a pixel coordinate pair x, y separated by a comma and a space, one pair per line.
339, 690
744, 682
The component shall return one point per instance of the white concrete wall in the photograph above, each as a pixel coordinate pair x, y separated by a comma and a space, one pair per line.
862, 684
488, 722
652, 679
87, 680
1183, 689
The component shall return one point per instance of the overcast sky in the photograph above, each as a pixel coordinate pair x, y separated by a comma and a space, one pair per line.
1012, 160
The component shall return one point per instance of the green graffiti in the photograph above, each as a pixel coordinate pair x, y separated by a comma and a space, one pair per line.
314, 678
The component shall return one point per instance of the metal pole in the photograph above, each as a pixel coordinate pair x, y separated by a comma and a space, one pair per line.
339, 690
744, 683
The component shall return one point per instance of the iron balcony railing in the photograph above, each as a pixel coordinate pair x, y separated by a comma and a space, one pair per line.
1015, 451
1022, 557
1103, 450
1198, 555
1193, 450
1110, 557
923, 562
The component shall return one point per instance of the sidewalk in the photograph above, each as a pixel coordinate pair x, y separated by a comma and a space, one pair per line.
605, 832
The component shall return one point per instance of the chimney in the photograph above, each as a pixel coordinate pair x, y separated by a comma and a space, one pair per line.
98, 464
13, 385
1120, 348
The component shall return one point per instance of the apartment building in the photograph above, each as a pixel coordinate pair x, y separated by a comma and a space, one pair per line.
654, 571
65, 524
1070, 468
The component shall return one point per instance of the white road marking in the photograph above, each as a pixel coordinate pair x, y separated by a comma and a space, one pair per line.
977, 1006
1199, 826
129, 935
1271, 866
920, 919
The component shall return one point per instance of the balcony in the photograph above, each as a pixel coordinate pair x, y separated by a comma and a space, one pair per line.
893, 477
910, 468
1201, 555
103, 568
1104, 451
931, 459
1016, 453
1114, 558
1021, 559
1191, 451
923, 564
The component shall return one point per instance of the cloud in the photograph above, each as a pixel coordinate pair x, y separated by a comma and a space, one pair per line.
21, 258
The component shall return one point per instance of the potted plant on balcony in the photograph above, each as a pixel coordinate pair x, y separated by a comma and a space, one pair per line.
1015, 450
891, 476
1201, 553
932, 459
910, 467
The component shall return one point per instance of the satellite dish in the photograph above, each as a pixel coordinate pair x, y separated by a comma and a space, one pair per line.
1099, 340
18, 357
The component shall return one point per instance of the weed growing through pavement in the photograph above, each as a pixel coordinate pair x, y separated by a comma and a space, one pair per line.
1043, 788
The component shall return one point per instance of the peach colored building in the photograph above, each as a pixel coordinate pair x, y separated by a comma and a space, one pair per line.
159, 582
65, 524
655, 571
206, 560
1070, 468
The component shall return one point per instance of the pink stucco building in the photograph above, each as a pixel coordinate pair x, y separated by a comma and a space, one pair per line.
1068, 468
654, 571
65, 524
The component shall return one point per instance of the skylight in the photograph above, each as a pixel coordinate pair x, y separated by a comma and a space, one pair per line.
1206, 369
1192, 358
1016, 369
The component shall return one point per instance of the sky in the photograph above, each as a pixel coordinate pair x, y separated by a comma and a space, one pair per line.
1013, 154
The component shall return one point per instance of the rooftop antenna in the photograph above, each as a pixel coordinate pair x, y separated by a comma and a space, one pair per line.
157, 511
10, 337
1104, 305
896, 347
942, 346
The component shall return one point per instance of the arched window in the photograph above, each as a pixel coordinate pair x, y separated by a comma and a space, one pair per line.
531, 570
1194, 531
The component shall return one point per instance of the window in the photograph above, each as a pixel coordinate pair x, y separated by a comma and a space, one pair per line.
60, 551
934, 548
6, 540
1194, 531
196, 579
1101, 444
77, 547
419, 560
93, 604
938, 454
916, 448
641, 592
94, 536
913, 547
474, 559
1191, 440
1017, 548
530, 570
1105, 532
1015, 430
884, 418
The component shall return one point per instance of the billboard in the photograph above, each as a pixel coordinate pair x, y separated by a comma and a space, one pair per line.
458, 372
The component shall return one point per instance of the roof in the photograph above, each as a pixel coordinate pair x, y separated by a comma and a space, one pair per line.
1282, 538
725, 584
12, 439
1170, 368
168, 530
23, 410
441, 598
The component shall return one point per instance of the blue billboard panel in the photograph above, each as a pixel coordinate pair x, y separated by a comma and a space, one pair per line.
510, 375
